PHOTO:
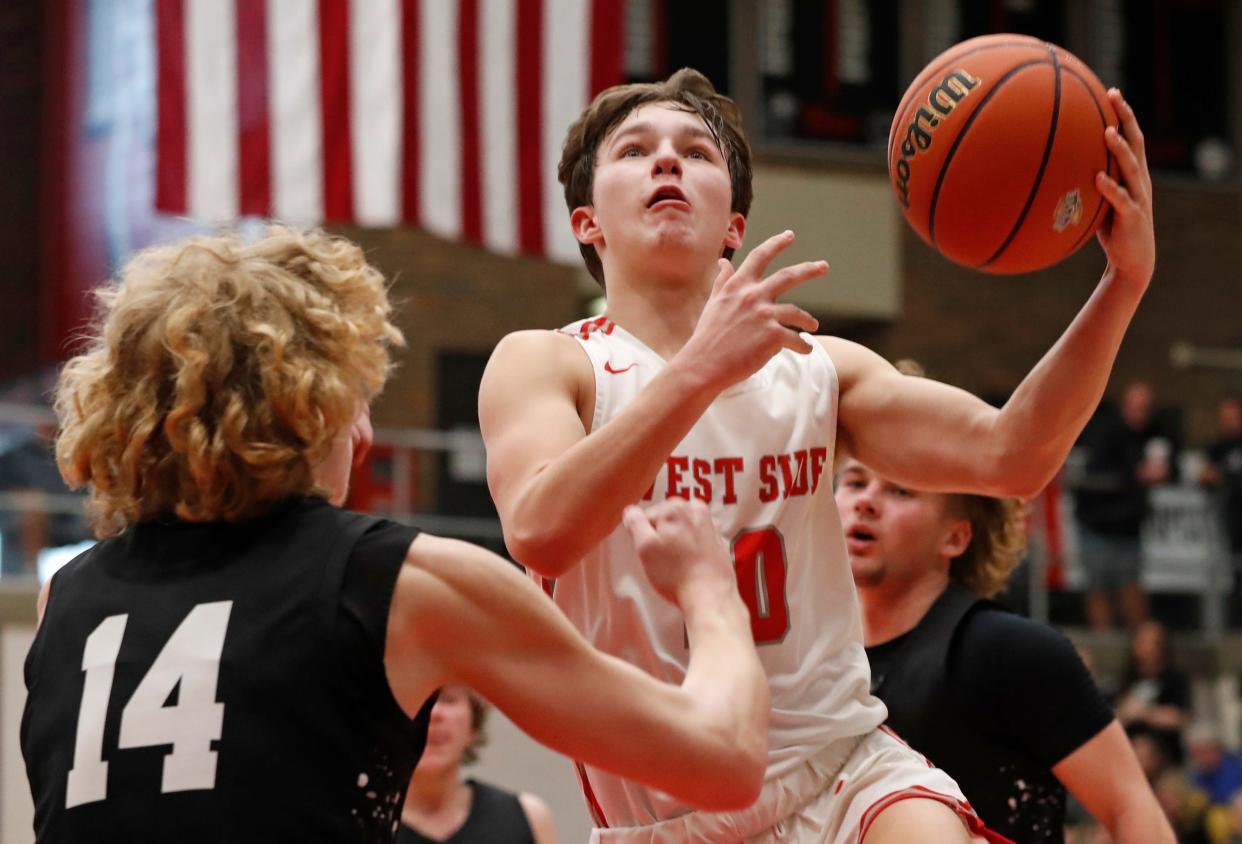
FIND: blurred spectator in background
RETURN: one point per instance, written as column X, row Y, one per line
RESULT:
column 1151, row 757
column 1155, row 696
column 1224, row 470
column 442, row 807
column 1184, row 806
column 1126, row 454
column 1214, row 770
column 27, row 525
column 1235, row 819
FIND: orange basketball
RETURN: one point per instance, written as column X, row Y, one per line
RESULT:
column 994, row 150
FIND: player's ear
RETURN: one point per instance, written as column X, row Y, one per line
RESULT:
column 956, row 539
column 585, row 226
column 736, row 231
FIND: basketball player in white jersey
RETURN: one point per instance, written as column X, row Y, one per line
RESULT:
column 697, row 384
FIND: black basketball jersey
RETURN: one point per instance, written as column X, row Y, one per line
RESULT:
column 222, row 683
column 496, row 817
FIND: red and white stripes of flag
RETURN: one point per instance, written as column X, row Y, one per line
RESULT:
column 443, row 114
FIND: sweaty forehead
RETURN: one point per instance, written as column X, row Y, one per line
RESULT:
column 661, row 117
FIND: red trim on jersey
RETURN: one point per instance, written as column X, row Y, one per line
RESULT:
column 887, row 730
column 837, row 790
column 967, row 814
column 597, row 811
column 548, row 585
column 601, row 324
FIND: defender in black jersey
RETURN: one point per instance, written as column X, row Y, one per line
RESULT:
column 1003, row 704
column 239, row 660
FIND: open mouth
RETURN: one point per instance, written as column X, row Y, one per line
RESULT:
column 860, row 533
column 667, row 195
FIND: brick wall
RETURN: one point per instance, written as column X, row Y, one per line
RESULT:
column 456, row 298
column 983, row 332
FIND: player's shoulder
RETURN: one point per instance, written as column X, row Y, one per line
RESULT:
column 533, row 360
column 537, row 344
column 999, row 637
column 851, row 360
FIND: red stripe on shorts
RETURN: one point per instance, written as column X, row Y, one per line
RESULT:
column 973, row 822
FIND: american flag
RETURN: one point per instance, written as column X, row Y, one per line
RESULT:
column 448, row 115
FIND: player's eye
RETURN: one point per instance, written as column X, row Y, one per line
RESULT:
column 699, row 154
column 632, row 151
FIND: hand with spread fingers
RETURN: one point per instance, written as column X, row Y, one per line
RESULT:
column 743, row 325
column 1128, row 233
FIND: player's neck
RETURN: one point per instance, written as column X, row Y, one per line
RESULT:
column 660, row 311
column 893, row 608
column 433, row 793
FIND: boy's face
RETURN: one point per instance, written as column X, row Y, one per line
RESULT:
column 661, row 191
column 894, row 534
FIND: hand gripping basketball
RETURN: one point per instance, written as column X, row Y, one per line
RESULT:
column 1128, row 233
column 742, row 325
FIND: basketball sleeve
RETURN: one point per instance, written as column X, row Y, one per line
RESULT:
column 1028, row 682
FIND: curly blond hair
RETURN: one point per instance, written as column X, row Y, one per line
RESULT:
column 997, row 542
column 998, row 530
column 218, row 374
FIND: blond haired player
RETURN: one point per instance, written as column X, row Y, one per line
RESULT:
column 239, row 659
column 1003, row 704
column 697, row 383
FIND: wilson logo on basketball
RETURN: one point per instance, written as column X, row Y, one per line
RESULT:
column 1068, row 211
column 940, row 104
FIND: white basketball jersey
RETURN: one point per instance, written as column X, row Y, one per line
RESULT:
column 761, row 457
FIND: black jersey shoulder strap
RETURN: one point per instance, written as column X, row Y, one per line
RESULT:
column 353, row 526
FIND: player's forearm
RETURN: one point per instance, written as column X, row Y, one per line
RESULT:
column 724, row 701
column 575, row 501
column 725, row 678
column 1040, row 423
column 1141, row 821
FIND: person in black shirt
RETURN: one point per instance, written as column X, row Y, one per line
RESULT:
column 1224, row 471
column 240, row 660
column 1003, row 704
column 442, row 807
column 1155, row 695
column 1128, row 452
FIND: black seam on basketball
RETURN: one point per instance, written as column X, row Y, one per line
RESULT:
column 903, row 106
column 1108, row 163
column 948, row 159
column 1043, row 164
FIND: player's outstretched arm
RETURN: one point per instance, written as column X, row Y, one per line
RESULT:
column 461, row 614
column 936, row 437
column 560, row 492
column 1122, row 801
